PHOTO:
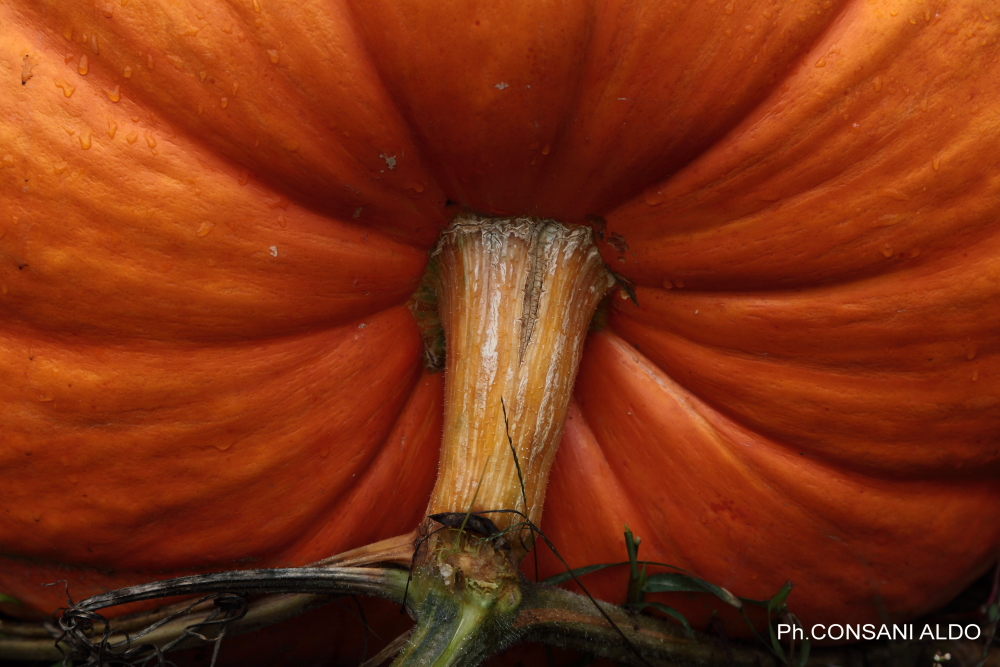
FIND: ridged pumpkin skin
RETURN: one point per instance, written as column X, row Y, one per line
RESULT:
column 212, row 215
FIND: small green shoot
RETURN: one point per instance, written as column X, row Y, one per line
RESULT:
column 777, row 606
column 673, row 582
column 10, row 599
column 637, row 576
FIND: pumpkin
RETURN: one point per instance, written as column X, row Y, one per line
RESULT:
column 213, row 215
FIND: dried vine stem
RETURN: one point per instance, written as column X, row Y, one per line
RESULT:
column 286, row 593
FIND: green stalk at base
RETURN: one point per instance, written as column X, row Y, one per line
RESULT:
column 467, row 593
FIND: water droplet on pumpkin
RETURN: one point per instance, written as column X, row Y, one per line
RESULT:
column 202, row 75
column 244, row 176
column 667, row 284
column 112, row 128
column 149, row 61
column 108, row 10
column 128, row 71
column 936, row 164
column 177, row 62
column 85, row 140
column 68, row 32
column 236, row 86
column 66, row 88
column 878, row 84
column 730, row 8
column 274, row 251
column 972, row 354
column 84, row 66
column 273, row 55
column 68, row 57
column 131, row 137
column 201, row 109
column 93, row 45
column 204, row 228
column 228, row 28
column 975, row 374
column 652, row 196
column 60, row 167
column 150, row 140
column 533, row 161
column 886, row 250
column 281, row 220
column 225, row 102
column 545, row 151
column 115, row 94
column 679, row 284
column 256, row 6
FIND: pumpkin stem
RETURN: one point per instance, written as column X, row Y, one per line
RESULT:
column 515, row 298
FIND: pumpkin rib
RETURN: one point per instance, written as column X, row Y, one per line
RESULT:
column 801, row 136
column 78, row 272
column 858, row 505
column 171, row 71
column 372, row 512
column 762, row 94
column 212, row 418
column 828, row 413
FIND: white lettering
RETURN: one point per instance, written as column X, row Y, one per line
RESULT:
column 840, row 631
column 869, row 632
column 815, row 633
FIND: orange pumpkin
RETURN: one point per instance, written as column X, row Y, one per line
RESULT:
column 213, row 214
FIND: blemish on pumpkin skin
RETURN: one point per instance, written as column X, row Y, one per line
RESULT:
column 28, row 64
